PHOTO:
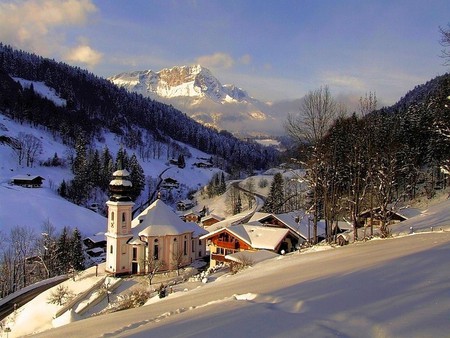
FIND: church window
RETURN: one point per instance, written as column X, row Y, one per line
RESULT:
column 123, row 219
column 156, row 250
column 124, row 249
column 112, row 216
column 111, row 249
column 185, row 247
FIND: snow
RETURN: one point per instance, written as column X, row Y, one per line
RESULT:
column 43, row 90
column 32, row 207
column 396, row 287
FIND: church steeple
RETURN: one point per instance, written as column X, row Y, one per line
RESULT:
column 120, row 186
column 120, row 205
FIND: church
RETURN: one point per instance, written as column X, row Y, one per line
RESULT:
column 157, row 234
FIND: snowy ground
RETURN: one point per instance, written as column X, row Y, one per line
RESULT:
column 397, row 287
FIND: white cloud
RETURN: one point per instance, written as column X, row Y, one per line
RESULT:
column 245, row 59
column 84, row 54
column 343, row 81
column 40, row 25
column 216, row 60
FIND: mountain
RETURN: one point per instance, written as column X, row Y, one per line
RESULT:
column 195, row 91
column 91, row 106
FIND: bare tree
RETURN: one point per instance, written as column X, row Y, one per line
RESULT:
column 445, row 42
column 152, row 265
column 368, row 103
column 27, row 147
column 317, row 113
column 177, row 258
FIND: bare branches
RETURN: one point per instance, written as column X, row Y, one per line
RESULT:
column 445, row 42
column 317, row 113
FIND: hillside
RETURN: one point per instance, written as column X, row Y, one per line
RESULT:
column 94, row 106
column 394, row 288
column 44, row 204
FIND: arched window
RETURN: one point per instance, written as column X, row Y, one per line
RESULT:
column 111, row 249
column 112, row 216
column 155, row 250
column 124, row 217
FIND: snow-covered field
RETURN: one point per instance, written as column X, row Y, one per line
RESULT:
column 31, row 208
column 397, row 287
column 392, row 288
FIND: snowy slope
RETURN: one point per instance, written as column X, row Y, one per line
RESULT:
column 381, row 288
column 32, row 207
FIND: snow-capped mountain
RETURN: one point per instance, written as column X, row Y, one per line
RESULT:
column 195, row 91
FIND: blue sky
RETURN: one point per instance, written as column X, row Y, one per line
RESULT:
column 274, row 49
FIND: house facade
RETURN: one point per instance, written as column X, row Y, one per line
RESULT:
column 156, row 236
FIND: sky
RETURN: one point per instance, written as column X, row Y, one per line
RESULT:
column 274, row 50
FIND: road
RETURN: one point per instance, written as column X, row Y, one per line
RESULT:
column 27, row 294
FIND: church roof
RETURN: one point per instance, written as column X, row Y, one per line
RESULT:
column 160, row 220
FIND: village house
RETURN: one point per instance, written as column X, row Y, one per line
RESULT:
column 157, row 234
column 185, row 205
column 170, row 183
column 192, row 216
column 28, row 181
column 246, row 237
column 297, row 222
column 210, row 219
column 374, row 217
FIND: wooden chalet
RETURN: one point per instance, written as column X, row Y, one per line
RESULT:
column 246, row 237
column 169, row 183
column 374, row 217
column 192, row 216
column 28, row 181
column 297, row 222
column 211, row 219
column 185, row 205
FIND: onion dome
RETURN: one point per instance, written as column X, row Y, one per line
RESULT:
column 120, row 186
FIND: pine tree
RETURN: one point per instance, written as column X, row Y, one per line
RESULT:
column 106, row 169
column 122, row 160
column 76, row 251
column 137, row 177
column 275, row 201
column 63, row 252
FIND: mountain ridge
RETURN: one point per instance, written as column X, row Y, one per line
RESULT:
column 197, row 92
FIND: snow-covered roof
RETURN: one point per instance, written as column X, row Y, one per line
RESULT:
column 304, row 227
column 98, row 237
column 121, row 173
column 212, row 216
column 26, row 177
column 259, row 237
column 160, row 220
column 122, row 182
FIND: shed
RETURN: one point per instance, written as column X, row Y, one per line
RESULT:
column 28, row 181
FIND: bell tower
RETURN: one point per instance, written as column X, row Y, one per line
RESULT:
column 120, row 205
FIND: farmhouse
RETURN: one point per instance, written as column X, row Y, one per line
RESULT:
column 297, row 222
column 246, row 237
column 211, row 219
column 157, row 235
column 374, row 217
column 28, row 181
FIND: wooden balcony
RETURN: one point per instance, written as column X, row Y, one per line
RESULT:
column 227, row 245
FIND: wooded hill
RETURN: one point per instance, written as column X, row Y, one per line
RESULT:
column 94, row 104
